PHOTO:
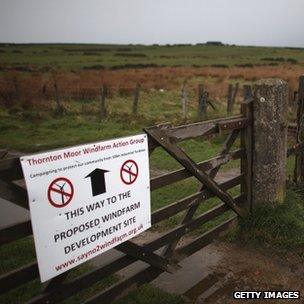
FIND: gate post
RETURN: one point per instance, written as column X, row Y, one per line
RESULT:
column 269, row 141
column 299, row 159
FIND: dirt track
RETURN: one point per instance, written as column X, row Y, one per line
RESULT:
column 213, row 273
column 252, row 269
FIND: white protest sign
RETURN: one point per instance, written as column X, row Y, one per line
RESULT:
column 87, row 199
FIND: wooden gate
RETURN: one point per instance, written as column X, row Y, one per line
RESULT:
column 238, row 128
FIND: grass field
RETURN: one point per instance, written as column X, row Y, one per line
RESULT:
column 279, row 227
column 28, row 74
column 79, row 56
column 29, row 121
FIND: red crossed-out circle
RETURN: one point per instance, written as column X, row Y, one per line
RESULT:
column 129, row 172
column 64, row 188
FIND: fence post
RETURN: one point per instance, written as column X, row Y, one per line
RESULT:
column 292, row 99
column 295, row 98
column 202, row 102
column 60, row 108
column 270, row 141
column 299, row 159
column 103, row 105
column 236, row 89
column 247, row 92
column 17, row 89
column 44, row 90
column 136, row 98
column 232, row 91
column 184, row 98
column 229, row 98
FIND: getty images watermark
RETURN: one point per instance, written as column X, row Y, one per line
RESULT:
column 266, row 295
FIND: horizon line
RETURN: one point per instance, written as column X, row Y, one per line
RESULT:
column 153, row 44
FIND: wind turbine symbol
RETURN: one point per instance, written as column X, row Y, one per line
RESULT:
column 61, row 189
column 130, row 177
column 129, row 172
column 64, row 190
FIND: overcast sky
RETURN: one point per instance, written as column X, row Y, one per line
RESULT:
column 246, row 22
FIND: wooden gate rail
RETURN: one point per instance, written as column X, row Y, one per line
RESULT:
column 150, row 273
column 212, row 173
column 20, row 197
column 58, row 289
column 17, row 231
column 30, row 271
column 162, row 138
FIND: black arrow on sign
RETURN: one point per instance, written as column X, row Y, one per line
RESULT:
column 98, row 181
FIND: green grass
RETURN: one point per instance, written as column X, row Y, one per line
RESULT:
column 28, row 136
column 78, row 56
column 31, row 130
column 36, row 129
column 279, row 227
column 11, row 259
column 25, row 292
column 17, row 132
